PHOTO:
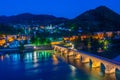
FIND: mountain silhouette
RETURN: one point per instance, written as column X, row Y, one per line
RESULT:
column 99, row 19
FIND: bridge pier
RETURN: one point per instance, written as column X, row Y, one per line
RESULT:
column 85, row 59
column 95, row 64
column 66, row 51
column 61, row 52
column 109, row 69
column 71, row 53
column 77, row 57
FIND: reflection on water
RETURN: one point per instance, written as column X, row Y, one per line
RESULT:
column 94, row 73
column 45, row 65
column 55, row 60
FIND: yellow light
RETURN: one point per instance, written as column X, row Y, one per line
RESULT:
column 54, row 43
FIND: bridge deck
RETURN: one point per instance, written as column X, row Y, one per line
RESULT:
column 99, row 57
column 96, row 56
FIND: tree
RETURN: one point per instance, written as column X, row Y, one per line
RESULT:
column 77, row 42
column 21, row 46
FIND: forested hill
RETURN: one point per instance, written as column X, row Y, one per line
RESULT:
column 99, row 19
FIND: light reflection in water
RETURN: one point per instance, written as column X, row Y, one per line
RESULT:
column 55, row 60
column 95, row 73
column 12, row 57
column 2, row 57
column 15, row 57
column 73, row 70
column 7, row 56
column 34, row 64
column 35, row 57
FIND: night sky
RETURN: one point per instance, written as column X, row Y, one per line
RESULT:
column 59, row 8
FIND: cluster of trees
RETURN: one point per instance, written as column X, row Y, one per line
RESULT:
column 107, row 46
column 40, row 39
column 88, row 43
column 5, row 29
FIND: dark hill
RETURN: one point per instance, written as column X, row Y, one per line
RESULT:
column 99, row 19
column 27, row 18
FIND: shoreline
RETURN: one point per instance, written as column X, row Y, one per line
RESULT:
column 40, row 48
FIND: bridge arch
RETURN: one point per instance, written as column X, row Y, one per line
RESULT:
column 117, row 73
column 71, row 53
column 102, row 68
column 117, row 70
column 95, row 63
column 85, row 59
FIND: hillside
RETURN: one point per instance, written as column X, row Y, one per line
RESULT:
column 5, row 29
column 28, row 18
column 99, row 19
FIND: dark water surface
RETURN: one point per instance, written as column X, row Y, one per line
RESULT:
column 44, row 65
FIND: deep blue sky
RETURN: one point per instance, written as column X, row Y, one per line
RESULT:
column 59, row 8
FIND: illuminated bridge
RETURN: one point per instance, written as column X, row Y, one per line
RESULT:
column 96, row 61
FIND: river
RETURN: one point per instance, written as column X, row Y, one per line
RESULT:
column 45, row 65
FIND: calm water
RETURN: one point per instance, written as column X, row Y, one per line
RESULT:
column 44, row 65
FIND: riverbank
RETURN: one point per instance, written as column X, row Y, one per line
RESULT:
column 27, row 49
column 42, row 47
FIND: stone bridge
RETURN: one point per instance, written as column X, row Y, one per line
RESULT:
column 95, row 61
